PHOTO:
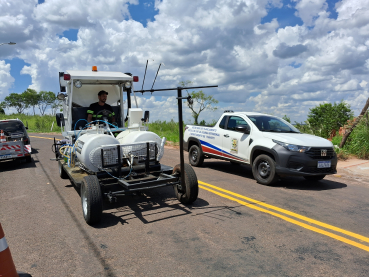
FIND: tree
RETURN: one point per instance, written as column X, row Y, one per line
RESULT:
column 326, row 117
column 57, row 104
column 17, row 101
column 347, row 134
column 46, row 98
column 200, row 103
column 32, row 98
column 285, row 117
column 2, row 107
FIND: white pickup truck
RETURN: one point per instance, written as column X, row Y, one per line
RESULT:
column 273, row 147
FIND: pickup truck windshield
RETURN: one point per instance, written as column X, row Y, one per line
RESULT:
column 11, row 126
column 272, row 124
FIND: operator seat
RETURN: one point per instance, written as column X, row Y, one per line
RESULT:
column 81, row 113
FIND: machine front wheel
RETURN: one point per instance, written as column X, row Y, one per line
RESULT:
column 91, row 198
column 188, row 192
column 62, row 172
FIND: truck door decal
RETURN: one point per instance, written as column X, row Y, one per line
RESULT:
column 234, row 146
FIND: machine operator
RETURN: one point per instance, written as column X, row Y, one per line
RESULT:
column 94, row 112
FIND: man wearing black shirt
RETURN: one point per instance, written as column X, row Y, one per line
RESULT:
column 95, row 108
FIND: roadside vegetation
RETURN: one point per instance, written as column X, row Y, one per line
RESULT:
column 320, row 122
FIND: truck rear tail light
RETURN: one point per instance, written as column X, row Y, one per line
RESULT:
column 135, row 78
column 186, row 128
column 66, row 77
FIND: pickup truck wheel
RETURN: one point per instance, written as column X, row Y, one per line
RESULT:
column 195, row 156
column 91, row 199
column 62, row 172
column 263, row 169
column 314, row 178
column 188, row 192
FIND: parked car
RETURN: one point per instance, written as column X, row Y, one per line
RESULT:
column 14, row 140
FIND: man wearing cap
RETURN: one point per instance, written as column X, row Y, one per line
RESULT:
column 95, row 108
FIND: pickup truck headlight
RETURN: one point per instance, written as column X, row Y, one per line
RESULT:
column 293, row 147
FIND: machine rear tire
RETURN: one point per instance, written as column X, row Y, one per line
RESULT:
column 190, row 190
column 195, row 156
column 91, row 199
column 62, row 172
column 28, row 159
column 314, row 178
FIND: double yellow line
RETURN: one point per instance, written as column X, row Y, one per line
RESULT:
column 255, row 204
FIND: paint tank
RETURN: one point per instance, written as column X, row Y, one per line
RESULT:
column 128, row 137
column 87, row 143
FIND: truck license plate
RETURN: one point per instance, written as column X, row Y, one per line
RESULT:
column 324, row 164
column 5, row 156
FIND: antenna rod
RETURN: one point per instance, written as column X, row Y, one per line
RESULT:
column 144, row 75
column 156, row 76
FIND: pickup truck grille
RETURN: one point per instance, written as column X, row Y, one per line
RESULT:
column 316, row 153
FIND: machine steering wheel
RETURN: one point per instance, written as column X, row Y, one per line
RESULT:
column 105, row 113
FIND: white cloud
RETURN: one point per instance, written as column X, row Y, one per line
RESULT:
column 6, row 80
column 309, row 10
column 259, row 67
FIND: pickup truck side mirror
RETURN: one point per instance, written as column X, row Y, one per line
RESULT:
column 60, row 119
column 243, row 129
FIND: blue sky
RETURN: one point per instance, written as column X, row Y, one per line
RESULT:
column 275, row 56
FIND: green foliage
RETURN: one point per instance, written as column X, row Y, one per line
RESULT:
column 303, row 127
column 46, row 98
column 169, row 129
column 17, row 101
column 285, row 117
column 326, row 117
column 2, row 107
column 201, row 101
column 31, row 98
column 36, row 123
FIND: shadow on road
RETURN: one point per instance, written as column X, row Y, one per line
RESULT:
column 293, row 183
column 149, row 207
column 18, row 164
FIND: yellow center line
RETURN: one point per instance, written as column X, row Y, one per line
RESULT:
column 304, row 225
column 316, row 222
column 41, row 137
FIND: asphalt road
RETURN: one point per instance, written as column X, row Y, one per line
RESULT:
column 236, row 227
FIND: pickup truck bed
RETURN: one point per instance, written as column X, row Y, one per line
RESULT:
column 15, row 150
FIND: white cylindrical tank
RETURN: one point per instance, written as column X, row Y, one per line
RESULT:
column 87, row 143
column 127, row 137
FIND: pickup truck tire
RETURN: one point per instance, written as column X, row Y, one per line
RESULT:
column 189, row 191
column 91, row 199
column 195, row 156
column 314, row 178
column 62, row 172
column 263, row 169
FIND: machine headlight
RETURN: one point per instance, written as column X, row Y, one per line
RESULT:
column 293, row 147
column 78, row 84
column 127, row 84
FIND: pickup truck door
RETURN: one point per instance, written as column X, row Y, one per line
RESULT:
column 235, row 144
